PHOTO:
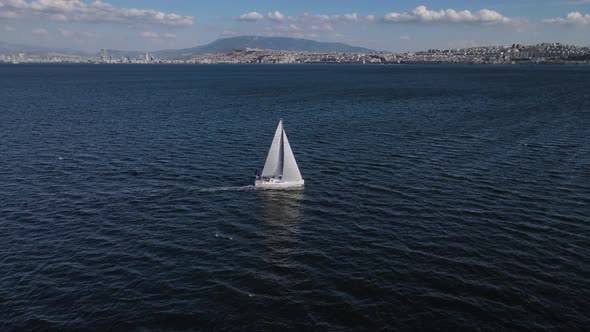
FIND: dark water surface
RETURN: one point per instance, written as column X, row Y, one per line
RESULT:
column 441, row 197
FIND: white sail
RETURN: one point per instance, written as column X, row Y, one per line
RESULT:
column 280, row 169
column 274, row 161
column 290, row 169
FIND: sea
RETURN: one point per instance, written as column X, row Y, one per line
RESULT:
column 437, row 197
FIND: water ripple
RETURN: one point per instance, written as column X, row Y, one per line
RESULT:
column 127, row 200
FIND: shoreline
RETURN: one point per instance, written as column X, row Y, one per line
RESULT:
column 407, row 63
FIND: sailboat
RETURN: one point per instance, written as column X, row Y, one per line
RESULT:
column 280, row 170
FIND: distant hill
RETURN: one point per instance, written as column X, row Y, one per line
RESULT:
column 218, row 46
column 270, row 43
column 40, row 50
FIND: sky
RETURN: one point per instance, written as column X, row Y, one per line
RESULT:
column 387, row 25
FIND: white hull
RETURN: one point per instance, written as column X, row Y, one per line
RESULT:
column 277, row 184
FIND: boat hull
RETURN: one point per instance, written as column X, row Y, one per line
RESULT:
column 263, row 184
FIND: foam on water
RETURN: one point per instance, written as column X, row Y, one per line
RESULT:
column 229, row 188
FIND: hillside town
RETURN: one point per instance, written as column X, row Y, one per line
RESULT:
column 511, row 54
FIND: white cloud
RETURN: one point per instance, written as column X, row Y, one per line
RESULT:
column 405, row 38
column 308, row 25
column 95, row 12
column 17, row 4
column 8, row 28
column 421, row 14
column 275, row 16
column 156, row 36
column 315, row 18
column 322, row 27
column 288, row 28
column 149, row 35
column 354, row 17
column 39, row 32
column 306, row 17
column 251, row 16
column 573, row 18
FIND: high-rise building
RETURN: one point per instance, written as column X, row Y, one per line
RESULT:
column 147, row 57
column 103, row 54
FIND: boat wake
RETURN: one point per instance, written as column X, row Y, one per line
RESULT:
column 230, row 188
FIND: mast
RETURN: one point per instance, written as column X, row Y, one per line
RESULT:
column 281, row 159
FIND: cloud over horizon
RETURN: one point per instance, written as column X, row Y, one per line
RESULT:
column 156, row 36
column 277, row 16
column 421, row 14
column 251, row 16
column 95, row 12
column 573, row 18
column 376, row 24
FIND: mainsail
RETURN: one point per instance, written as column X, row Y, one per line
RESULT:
column 280, row 160
column 272, row 167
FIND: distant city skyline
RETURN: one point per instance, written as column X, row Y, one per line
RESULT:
column 376, row 24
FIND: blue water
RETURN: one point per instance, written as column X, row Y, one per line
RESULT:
column 436, row 197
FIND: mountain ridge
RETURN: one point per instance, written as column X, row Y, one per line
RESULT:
column 221, row 45
column 40, row 50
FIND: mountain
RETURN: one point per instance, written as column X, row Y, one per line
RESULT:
column 218, row 46
column 41, row 50
column 270, row 43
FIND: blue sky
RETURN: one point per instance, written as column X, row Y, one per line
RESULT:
column 379, row 24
